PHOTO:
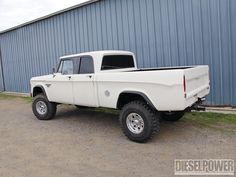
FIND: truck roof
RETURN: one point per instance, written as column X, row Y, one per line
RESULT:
column 98, row 56
column 101, row 52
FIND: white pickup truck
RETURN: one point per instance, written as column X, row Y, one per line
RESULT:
column 111, row 79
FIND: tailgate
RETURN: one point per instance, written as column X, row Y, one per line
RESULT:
column 197, row 81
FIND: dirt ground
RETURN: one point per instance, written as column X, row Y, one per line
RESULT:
column 89, row 143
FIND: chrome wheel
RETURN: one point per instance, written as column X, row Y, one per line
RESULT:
column 41, row 107
column 135, row 123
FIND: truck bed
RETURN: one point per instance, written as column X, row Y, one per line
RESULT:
column 172, row 89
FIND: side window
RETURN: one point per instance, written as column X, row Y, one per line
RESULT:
column 66, row 67
column 86, row 65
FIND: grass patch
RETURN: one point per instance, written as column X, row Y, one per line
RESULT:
column 4, row 96
column 213, row 120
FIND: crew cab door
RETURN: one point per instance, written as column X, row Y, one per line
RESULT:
column 84, row 89
column 60, row 87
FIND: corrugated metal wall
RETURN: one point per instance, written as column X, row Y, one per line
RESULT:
column 1, row 78
column 160, row 32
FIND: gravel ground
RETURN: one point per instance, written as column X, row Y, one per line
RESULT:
column 90, row 143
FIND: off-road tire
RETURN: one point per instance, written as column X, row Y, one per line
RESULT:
column 172, row 116
column 150, row 118
column 51, row 108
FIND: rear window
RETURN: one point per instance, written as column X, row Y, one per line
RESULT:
column 117, row 62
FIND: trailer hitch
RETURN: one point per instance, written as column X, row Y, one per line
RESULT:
column 197, row 106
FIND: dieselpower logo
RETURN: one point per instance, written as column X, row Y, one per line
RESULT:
column 204, row 167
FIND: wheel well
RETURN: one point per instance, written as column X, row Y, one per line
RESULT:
column 127, row 97
column 38, row 90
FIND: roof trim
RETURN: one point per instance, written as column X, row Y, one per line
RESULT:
column 101, row 52
column 50, row 15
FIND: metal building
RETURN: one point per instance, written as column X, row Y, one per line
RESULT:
column 159, row 32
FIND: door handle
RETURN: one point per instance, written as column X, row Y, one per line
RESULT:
column 69, row 77
column 89, row 76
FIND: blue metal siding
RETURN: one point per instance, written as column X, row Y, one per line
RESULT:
column 1, row 78
column 159, row 32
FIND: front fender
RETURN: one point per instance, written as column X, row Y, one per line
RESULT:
column 38, row 86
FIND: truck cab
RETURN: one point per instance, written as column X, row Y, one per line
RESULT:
column 73, row 81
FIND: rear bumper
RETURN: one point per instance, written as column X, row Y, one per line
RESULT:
column 197, row 105
column 197, row 98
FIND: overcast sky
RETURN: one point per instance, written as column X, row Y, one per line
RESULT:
column 15, row 12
